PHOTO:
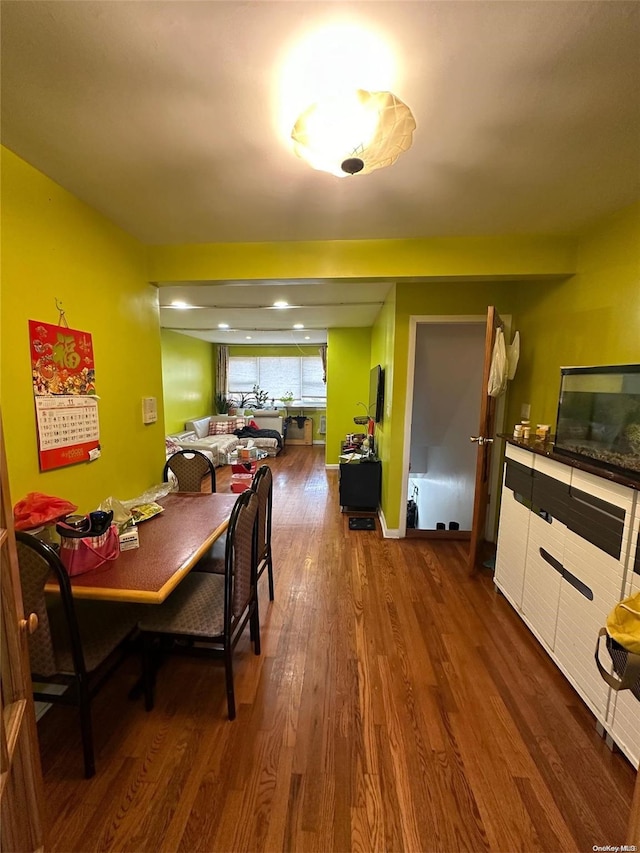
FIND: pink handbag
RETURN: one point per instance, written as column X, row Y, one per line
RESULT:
column 88, row 553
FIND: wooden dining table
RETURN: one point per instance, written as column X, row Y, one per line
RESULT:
column 171, row 543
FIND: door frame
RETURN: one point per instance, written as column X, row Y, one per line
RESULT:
column 416, row 320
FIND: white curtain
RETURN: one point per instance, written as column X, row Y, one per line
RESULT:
column 222, row 369
column 323, row 355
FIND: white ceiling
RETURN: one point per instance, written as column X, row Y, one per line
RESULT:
column 165, row 117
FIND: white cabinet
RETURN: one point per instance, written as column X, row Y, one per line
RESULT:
column 594, row 570
column 545, row 549
column 515, row 511
column 567, row 549
column 623, row 721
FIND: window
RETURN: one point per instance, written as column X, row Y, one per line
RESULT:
column 302, row 375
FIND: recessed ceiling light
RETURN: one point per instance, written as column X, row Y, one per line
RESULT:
column 307, row 338
column 178, row 303
column 298, row 326
column 248, row 337
column 280, row 304
column 223, row 325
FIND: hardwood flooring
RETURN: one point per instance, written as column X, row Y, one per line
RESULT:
column 398, row 705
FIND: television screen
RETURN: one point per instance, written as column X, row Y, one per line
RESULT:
column 376, row 393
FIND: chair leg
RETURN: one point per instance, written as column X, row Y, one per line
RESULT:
column 228, row 671
column 270, row 572
column 86, row 731
column 254, row 622
column 148, row 672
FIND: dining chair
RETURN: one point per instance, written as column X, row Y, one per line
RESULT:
column 77, row 644
column 263, row 487
column 214, row 560
column 189, row 467
column 208, row 608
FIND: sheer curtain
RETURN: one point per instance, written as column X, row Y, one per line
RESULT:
column 323, row 355
column 222, row 369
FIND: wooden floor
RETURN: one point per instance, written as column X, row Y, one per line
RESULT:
column 397, row 705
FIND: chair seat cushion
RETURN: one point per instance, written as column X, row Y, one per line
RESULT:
column 103, row 626
column 213, row 561
column 195, row 608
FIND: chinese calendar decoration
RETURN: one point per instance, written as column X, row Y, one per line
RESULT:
column 63, row 375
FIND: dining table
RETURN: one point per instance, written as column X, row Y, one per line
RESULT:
column 171, row 543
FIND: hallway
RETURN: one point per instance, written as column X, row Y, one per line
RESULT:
column 397, row 705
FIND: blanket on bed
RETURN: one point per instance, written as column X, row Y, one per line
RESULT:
column 251, row 432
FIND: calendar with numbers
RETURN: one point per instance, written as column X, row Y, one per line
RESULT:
column 63, row 377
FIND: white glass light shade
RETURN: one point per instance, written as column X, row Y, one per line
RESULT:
column 374, row 127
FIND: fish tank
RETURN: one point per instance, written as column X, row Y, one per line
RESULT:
column 599, row 416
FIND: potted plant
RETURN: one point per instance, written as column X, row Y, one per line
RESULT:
column 260, row 397
column 223, row 404
column 287, row 398
column 242, row 402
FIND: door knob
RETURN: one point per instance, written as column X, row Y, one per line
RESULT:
column 29, row 624
column 480, row 439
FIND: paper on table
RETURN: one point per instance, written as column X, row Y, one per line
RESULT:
column 142, row 512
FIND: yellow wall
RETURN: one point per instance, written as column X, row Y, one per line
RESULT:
column 469, row 257
column 188, row 379
column 592, row 318
column 383, row 353
column 266, row 350
column 55, row 246
column 348, row 364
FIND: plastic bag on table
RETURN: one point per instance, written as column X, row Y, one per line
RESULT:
column 160, row 490
column 37, row 509
column 122, row 518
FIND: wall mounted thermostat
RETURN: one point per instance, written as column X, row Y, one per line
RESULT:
column 149, row 410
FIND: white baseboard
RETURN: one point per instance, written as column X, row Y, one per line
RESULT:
column 331, row 466
column 387, row 532
column 317, row 441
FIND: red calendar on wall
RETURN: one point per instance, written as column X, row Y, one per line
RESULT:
column 63, row 376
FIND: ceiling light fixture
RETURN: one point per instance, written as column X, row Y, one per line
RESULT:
column 179, row 304
column 280, row 304
column 356, row 133
column 248, row 337
column 298, row 326
column 223, row 325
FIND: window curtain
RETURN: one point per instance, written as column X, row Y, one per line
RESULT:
column 323, row 355
column 222, row 370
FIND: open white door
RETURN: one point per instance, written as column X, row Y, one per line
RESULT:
column 20, row 775
column 484, row 441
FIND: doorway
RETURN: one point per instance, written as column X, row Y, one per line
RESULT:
column 445, row 380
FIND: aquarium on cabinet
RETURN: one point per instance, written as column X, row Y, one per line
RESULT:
column 599, row 416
